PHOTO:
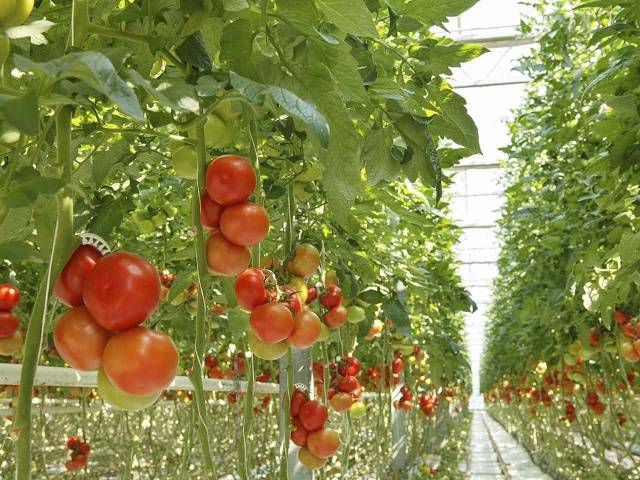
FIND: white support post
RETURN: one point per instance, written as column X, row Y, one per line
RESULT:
column 303, row 374
column 398, row 433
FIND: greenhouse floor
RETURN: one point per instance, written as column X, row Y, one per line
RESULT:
column 496, row 455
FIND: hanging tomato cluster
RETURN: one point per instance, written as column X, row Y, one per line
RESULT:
column 429, row 404
column 345, row 389
column 317, row 443
column 79, row 454
column 234, row 224
column 336, row 315
column 110, row 297
column 405, row 401
column 278, row 319
column 10, row 336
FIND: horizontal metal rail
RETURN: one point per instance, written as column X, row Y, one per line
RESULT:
column 68, row 377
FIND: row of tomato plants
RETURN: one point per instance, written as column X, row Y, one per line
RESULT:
column 566, row 292
column 128, row 160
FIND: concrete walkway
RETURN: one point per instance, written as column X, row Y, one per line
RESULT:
column 494, row 454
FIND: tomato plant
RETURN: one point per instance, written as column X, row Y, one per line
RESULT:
column 310, row 133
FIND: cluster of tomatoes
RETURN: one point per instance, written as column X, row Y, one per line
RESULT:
column 336, row 315
column 79, row 454
column 234, row 223
column 109, row 297
column 405, row 401
column 429, row 404
column 10, row 336
column 317, row 443
column 629, row 346
column 279, row 319
column 345, row 390
column 594, row 403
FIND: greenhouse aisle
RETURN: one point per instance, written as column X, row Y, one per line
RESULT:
column 494, row 454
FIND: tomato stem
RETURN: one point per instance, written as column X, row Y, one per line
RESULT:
column 201, row 321
column 61, row 247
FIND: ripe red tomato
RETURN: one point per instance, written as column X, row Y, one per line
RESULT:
column 298, row 398
column 9, row 297
column 349, row 365
column 230, row 180
column 348, row 384
column 211, row 361
column 271, row 322
column 336, row 317
column 309, row 460
column 80, row 340
column 140, row 361
column 69, row 285
column 9, row 323
column 306, row 260
column 121, row 291
column 313, row 415
column 245, row 224
column 312, row 293
column 332, row 298
column 210, row 213
column 299, row 437
column 323, row 443
column 225, row 258
column 250, row 289
column 629, row 330
column 341, row 402
column 306, row 330
column 396, row 365
column 621, row 317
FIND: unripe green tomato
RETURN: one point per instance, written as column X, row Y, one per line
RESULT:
column 5, row 49
column 146, row 227
column 159, row 219
column 217, row 134
column 356, row 314
column 228, row 110
column 185, row 162
column 22, row 12
column 358, row 409
column 138, row 217
column 121, row 400
column 324, row 332
column 192, row 307
column 170, row 210
column 7, row 11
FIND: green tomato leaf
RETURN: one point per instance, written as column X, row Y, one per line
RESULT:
column 296, row 106
column 398, row 314
column 23, row 113
column 194, row 52
column 350, row 16
column 15, row 224
column 431, row 12
column 26, row 185
column 93, row 68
